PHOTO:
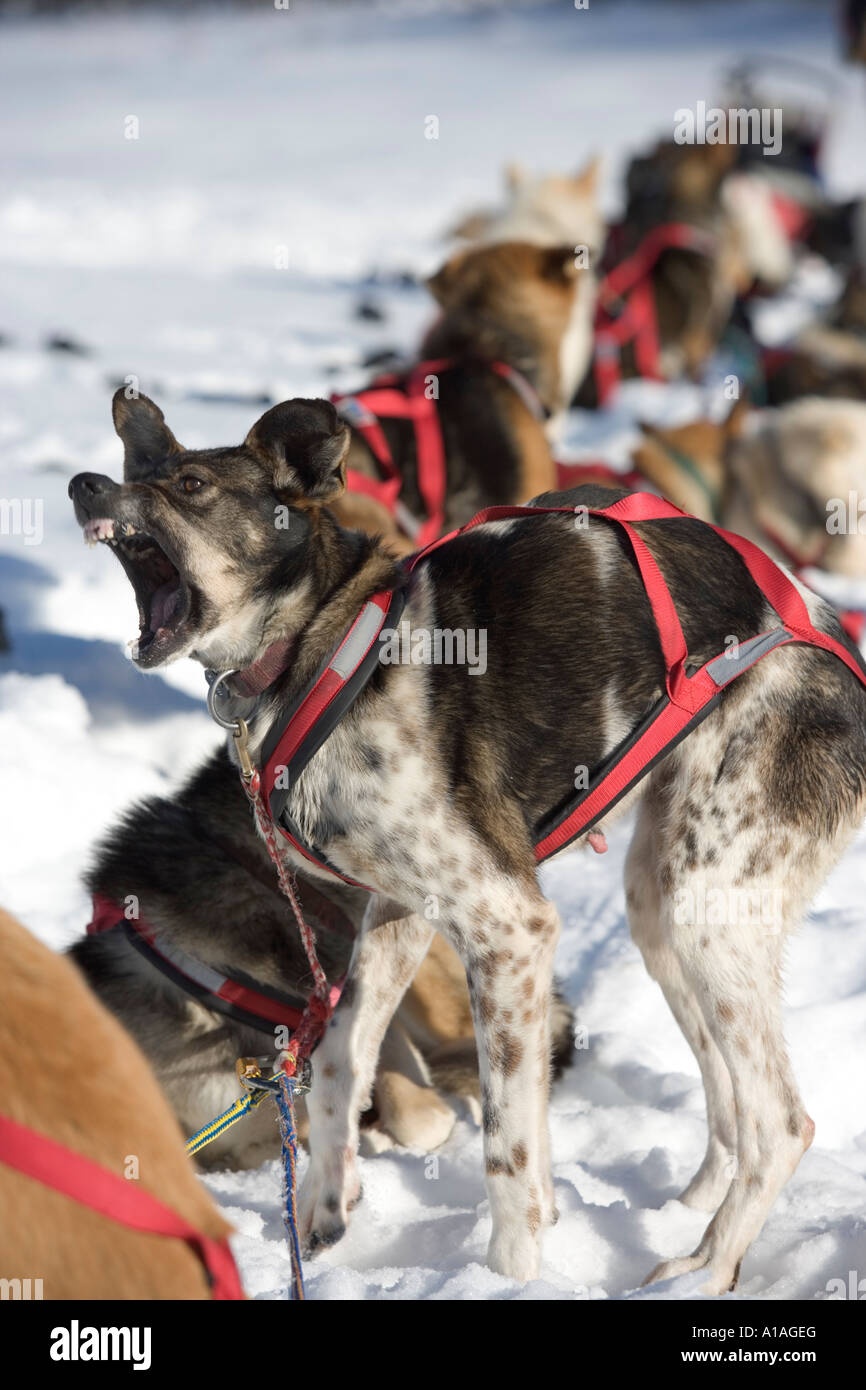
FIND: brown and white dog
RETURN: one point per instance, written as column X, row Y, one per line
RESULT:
column 544, row 209
column 792, row 479
column 526, row 307
column 430, row 787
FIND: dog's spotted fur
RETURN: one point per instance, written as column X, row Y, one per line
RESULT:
column 432, row 784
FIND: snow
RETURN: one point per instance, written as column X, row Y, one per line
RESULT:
column 304, row 130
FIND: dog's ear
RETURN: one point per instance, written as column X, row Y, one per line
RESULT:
column 147, row 439
column 586, row 179
column 515, row 177
column 306, row 444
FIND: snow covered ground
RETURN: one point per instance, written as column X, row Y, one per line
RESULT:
column 299, row 136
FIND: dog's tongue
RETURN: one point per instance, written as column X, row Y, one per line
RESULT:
column 597, row 841
column 163, row 604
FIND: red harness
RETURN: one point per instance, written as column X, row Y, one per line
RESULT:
column 237, row 999
column 686, row 701
column 87, row 1182
column 571, row 475
column 410, row 397
column 793, row 217
column 626, row 310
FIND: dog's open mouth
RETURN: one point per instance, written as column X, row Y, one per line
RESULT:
column 162, row 596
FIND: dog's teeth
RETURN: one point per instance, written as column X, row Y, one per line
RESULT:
column 98, row 529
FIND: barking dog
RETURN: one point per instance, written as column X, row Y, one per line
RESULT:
column 431, row 787
column 203, row 882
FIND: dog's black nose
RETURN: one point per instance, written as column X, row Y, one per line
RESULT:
column 86, row 486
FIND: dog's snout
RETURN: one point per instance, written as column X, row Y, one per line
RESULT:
column 87, row 486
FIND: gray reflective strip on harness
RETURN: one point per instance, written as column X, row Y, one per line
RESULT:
column 195, row 969
column 724, row 668
column 358, row 641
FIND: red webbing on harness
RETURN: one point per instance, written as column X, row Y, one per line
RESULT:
column 329, row 684
column 122, row 1200
column 793, row 217
column 635, row 321
column 108, row 914
column 687, row 694
column 385, row 401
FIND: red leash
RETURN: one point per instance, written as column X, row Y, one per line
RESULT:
column 121, row 1199
column 323, row 999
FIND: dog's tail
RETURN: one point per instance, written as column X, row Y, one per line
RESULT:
column 454, row 1065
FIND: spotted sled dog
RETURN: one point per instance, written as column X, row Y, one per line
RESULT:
column 429, row 788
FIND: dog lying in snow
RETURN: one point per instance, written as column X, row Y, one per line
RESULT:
column 432, row 784
column 97, row 1097
column 202, row 880
column 782, row 477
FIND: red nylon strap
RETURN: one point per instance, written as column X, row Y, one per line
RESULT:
column 430, row 450
column 646, row 337
column 118, row 1198
column 793, row 217
column 313, row 859
column 385, row 401
column 637, row 321
column 329, row 685
column 670, row 722
column 637, row 266
column 107, row 915
column 270, row 1010
column 636, row 324
column 783, row 595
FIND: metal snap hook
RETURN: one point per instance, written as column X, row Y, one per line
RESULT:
column 214, row 683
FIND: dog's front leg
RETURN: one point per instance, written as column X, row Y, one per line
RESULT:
column 509, row 962
column 392, row 947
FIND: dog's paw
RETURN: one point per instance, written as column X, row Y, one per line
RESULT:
column 671, row 1269
column 323, row 1208
column 515, row 1256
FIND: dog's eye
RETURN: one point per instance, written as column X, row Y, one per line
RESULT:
column 191, row 484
